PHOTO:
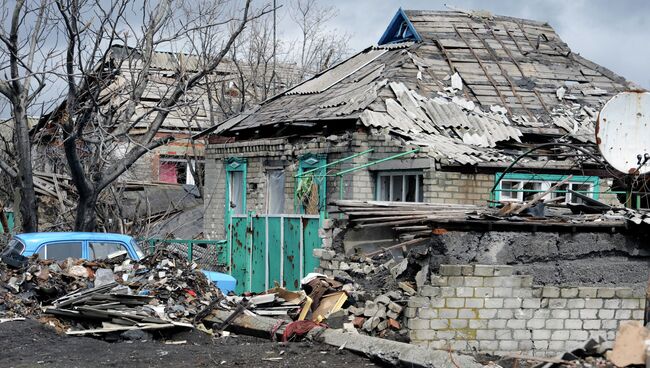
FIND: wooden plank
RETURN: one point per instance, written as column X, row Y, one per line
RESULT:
column 311, row 241
column 240, row 264
column 258, row 261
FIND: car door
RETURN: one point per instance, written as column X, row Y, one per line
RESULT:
column 62, row 250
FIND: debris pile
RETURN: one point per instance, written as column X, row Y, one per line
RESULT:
column 92, row 297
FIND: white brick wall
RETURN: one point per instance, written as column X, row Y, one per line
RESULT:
column 489, row 308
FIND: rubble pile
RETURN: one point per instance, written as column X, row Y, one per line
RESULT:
column 161, row 291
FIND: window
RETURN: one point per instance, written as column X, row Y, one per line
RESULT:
column 101, row 250
column 275, row 195
column 524, row 187
column 400, row 186
column 237, row 192
column 176, row 170
column 60, row 251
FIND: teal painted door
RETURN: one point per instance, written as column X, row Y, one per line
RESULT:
column 277, row 248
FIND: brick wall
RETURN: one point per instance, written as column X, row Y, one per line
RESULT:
column 487, row 308
column 457, row 188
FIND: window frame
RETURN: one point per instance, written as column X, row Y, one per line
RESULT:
column 403, row 174
column 45, row 245
column 547, row 181
column 121, row 244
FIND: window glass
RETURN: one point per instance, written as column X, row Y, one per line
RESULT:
column 101, row 250
column 396, row 190
column 237, row 192
column 508, row 190
column 275, row 179
column 384, row 188
column 407, row 187
column 409, row 192
column 63, row 250
column 534, row 186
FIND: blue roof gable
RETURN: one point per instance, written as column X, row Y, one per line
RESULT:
column 399, row 29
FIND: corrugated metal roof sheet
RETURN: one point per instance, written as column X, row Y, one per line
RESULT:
column 334, row 75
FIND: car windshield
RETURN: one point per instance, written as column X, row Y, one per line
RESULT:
column 14, row 246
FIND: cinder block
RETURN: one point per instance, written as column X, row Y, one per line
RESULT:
column 573, row 324
column 624, row 292
column 419, row 302
column 489, row 345
column 589, row 313
column 516, row 324
column 422, row 335
column 494, row 303
column 466, row 292
column 609, row 324
column 496, row 323
column 554, row 324
column 467, row 313
column 531, row 303
column 560, row 335
column 512, row 303
column 410, row 312
column 439, row 324
column 522, row 335
column 536, row 323
column 450, row 270
column 487, row 313
column 569, row 292
column 575, row 303
column 502, row 270
column 478, row 324
column 473, row 281
column 503, row 292
column 484, row 292
column 541, row 335
column 505, row 314
column 455, row 280
column 550, row 292
column 637, row 314
column 606, row 292
column 483, row 270
column 606, row 313
column 455, row 302
column 485, row 334
column 458, row 323
column 578, row 335
column 427, row 290
column 632, row 303
column 474, row 303
column 587, row 292
column 503, row 334
column 612, row 303
column 560, row 313
column 448, row 313
column 556, row 345
column 466, row 270
column 427, row 313
column 508, row 345
column 593, row 303
column 418, row 324
column 623, row 314
column 522, row 292
column 437, row 280
column 591, row 324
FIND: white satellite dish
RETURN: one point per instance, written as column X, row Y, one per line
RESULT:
column 623, row 132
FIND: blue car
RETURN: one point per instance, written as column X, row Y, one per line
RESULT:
column 59, row 246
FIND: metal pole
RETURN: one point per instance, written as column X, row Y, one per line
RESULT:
column 335, row 162
column 377, row 162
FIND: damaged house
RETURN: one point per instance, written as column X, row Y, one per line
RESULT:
column 431, row 119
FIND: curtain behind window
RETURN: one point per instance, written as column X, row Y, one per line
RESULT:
column 275, row 196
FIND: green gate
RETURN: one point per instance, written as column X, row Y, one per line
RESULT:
column 268, row 248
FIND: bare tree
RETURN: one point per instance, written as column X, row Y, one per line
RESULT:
column 108, row 93
column 24, row 56
column 319, row 48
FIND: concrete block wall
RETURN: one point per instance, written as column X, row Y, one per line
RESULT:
column 457, row 188
column 487, row 308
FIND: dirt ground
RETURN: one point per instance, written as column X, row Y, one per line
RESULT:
column 30, row 344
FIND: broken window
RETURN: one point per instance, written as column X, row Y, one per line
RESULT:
column 101, row 250
column 524, row 187
column 398, row 186
column 176, row 170
column 275, row 195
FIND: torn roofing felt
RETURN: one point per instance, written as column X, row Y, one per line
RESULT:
column 467, row 86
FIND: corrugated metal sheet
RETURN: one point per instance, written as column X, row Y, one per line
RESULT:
column 334, row 75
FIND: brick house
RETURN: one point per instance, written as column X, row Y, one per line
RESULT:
column 458, row 95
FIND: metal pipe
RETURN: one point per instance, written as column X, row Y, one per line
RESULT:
column 376, row 162
column 335, row 162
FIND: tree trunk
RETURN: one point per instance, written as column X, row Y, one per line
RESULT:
column 28, row 205
column 85, row 220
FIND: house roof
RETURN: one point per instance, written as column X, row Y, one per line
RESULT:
column 463, row 85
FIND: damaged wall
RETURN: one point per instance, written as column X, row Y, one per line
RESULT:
column 487, row 308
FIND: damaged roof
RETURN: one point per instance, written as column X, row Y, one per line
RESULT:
column 462, row 84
